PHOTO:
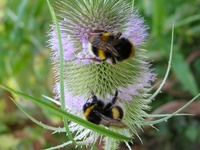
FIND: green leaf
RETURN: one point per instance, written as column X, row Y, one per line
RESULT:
column 158, row 17
column 187, row 20
column 65, row 121
column 183, row 73
column 71, row 117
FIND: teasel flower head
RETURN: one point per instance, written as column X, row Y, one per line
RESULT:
column 132, row 78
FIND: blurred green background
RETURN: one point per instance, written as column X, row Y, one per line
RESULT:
column 25, row 65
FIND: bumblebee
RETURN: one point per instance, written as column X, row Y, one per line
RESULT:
column 110, row 46
column 99, row 113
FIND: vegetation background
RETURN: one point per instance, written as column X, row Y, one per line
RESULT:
column 25, row 65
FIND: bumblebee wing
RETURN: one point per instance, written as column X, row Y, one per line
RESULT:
column 95, row 40
column 109, row 48
column 109, row 122
column 105, row 47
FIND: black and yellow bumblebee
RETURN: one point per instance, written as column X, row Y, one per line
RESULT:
column 109, row 115
column 110, row 46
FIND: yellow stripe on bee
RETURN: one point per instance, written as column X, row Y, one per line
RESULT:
column 101, row 54
column 115, row 113
column 87, row 111
column 106, row 34
column 132, row 51
column 105, row 37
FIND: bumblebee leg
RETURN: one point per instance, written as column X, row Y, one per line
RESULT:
column 93, row 59
column 113, row 61
column 109, row 105
column 115, row 97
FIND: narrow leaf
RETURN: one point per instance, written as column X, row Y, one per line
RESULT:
column 183, row 73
